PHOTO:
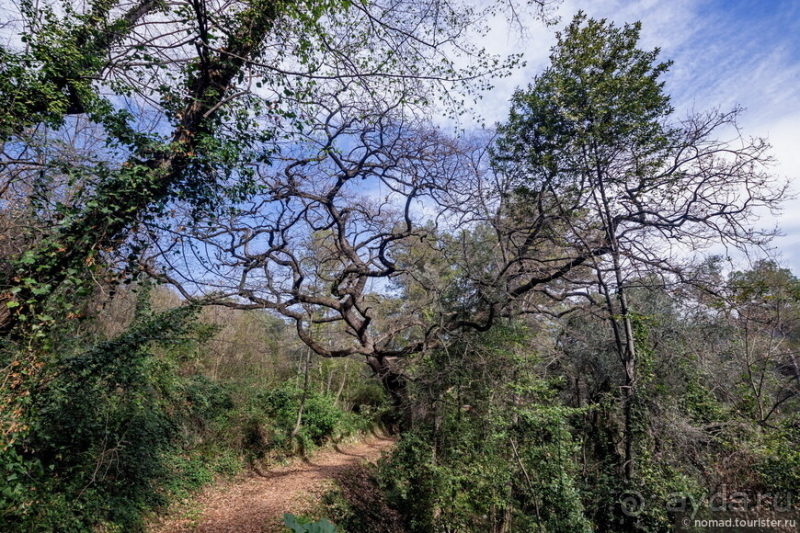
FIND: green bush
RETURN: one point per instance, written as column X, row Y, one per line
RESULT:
column 779, row 465
column 482, row 472
column 490, row 448
column 321, row 417
column 207, row 399
column 366, row 396
column 358, row 505
column 102, row 441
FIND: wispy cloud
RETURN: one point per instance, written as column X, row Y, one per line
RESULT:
column 725, row 53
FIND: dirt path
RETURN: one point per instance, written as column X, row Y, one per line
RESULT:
column 256, row 503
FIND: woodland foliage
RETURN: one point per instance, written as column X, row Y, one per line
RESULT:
column 535, row 307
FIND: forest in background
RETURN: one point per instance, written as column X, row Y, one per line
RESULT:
column 233, row 231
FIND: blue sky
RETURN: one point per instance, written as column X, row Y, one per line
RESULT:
column 725, row 52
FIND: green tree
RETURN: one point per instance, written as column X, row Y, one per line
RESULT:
column 763, row 306
column 594, row 149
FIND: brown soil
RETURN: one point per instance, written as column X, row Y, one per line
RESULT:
column 256, row 502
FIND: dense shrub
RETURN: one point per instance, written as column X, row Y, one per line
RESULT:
column 779, row 464
column 488, row 472
column 102, row 427
column 320, row 419
column 490, row 448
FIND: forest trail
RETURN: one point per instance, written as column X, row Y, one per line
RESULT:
column 256, row 503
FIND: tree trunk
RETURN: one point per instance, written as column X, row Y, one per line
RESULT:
column 395, row 384
column 624, row 340
column 303, row 398
column 149, row 177
column 344, row 380
column 629, row 360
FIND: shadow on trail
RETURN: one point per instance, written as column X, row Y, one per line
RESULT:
column 326, row 470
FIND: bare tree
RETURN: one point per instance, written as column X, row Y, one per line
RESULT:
column 188, row 96
column 377, row 225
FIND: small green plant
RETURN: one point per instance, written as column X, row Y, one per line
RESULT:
column 321, row 526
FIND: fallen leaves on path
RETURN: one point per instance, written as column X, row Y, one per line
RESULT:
column 256, row 503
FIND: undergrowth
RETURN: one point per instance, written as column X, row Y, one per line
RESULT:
column 103, row 433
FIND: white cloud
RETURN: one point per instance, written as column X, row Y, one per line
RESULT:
column 725, row 54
